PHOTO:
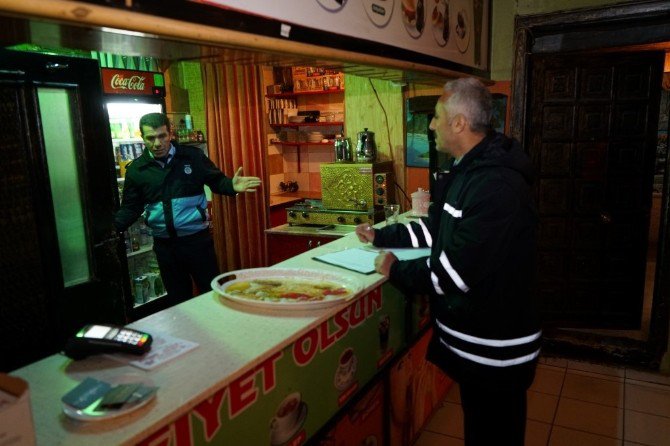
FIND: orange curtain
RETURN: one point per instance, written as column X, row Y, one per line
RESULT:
column 234, row 106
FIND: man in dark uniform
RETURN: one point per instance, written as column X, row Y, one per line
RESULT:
column 481, row 231
column 166, row 185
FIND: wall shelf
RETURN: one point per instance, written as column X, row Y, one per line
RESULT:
column 303, row 93
column 298, row 144
column 309, row 124
column 143, row 250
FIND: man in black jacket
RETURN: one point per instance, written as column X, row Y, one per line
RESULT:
column 165, row 185
column 481, row 231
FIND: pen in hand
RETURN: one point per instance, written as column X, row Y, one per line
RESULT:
column 365, row 233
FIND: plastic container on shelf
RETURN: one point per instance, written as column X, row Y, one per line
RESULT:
column 420, row 202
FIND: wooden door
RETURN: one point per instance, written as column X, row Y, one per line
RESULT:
column 592, row 137
column 60, row 265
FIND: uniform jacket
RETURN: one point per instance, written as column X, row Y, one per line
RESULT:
column 481, row 231
column 172, row 199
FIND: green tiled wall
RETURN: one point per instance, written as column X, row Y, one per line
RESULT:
column 192, row 82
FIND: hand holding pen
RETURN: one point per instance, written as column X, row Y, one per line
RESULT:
column 365, row 233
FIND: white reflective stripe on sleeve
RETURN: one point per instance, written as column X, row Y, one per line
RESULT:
column 426, row 233
column 412, row 236
column 493, row 362
column 453, row 211
column 490, row 342
column 436, row 284
column 452, row 273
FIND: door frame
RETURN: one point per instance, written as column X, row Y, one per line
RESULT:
column 599, row 30
column 104, row 297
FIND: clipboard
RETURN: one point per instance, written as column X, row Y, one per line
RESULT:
column 354, row 259
column 362, row 260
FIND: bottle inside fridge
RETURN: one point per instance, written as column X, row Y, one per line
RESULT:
column 147, row 284
column 124, row 118
column 145, row 280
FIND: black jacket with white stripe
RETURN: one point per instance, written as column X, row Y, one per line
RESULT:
column 481, row 231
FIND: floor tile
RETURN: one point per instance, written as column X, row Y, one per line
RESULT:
column 593, row 388
column 590, row 417
column 641, row 375
column 454, row 394
column 428, row 438
column 597, row 368
column 541, row 406
column 561, row 436
column 537, row 434
column 448, row 420
column 647, row 429
column 554, row 361
column 648, row 398
column 548, row 380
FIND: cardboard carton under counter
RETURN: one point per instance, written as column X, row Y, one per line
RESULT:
column 16, row 421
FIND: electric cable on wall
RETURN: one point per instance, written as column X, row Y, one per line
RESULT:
column 388, row 134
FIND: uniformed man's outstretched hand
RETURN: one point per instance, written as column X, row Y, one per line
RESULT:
column 245, row 184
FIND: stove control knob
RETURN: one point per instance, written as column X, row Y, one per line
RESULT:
column 305, row 215
column 292, row 214
column 340, row 219
column 357, row 220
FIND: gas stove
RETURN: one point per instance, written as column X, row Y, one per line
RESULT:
column 312, row 212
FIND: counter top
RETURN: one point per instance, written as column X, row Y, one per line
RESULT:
column 318, row 230
column 230, row 346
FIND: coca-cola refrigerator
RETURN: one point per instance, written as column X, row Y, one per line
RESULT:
column 129, row 95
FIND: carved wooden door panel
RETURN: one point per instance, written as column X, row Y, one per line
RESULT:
column 592, row 137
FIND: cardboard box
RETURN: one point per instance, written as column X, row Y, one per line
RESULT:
column 362, row 425
column 16, row 420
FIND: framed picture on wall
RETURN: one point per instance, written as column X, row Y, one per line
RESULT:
column 499, row 112
column 419, row 138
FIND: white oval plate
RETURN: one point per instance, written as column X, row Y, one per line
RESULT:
column 462, row 36
column 286, row 273
column 379, row 11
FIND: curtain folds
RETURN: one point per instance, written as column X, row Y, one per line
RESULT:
column 234, row 106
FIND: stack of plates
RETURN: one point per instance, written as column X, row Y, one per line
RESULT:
column 314, row 136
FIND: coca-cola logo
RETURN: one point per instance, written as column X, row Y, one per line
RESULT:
column 119, row 82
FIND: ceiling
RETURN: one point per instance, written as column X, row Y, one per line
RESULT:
column 51, row 34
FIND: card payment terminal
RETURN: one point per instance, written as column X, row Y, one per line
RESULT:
column 98, row 338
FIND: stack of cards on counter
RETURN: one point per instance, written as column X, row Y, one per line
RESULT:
column 97, row 400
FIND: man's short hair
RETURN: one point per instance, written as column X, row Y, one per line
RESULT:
column 472, row 99
column 154, row 120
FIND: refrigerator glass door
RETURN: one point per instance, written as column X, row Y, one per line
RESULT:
column 145, row 279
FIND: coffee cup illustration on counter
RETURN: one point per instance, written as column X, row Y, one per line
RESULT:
column 288, row 419
column 346, row 369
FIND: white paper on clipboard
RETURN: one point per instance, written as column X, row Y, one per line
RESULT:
column 362, row 260
column 354, row 259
